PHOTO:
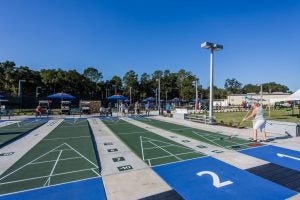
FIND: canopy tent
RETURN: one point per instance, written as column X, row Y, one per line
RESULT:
column 175, row 100
column 117, row 97
column 61, row 95
column 151, row 99
column 293, row 97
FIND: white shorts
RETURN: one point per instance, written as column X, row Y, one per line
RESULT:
column 259, row 124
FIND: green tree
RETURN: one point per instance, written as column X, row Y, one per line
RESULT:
column 145, row 86
column 116, row 85
column 130, row 80
column 233, row 86
column 93, row 74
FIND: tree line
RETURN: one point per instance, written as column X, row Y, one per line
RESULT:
column 90, row 83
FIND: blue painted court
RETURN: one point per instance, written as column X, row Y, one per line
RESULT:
column 208, row 178
column 91, row 189
column 280, row 156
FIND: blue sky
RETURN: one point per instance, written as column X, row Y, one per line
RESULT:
column 260, row 37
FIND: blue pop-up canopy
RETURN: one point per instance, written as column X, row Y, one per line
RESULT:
column 61, row 95
column 117, row 97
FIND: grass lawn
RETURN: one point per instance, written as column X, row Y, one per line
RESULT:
column 278, row 115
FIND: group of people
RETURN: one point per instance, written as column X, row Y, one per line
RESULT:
column 246, row 105
column 124, row 108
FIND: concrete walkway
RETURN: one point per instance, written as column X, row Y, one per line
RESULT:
column 16, row 150
column 124, row 174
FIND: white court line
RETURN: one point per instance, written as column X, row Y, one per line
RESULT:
column 53, row 168
column 30, row 162
column 209, row 140
column 155, row 158
column 47, row 161
column 66, row 138
column 141, row 141
column 82, row 155
column 129, row 133
column 40, row 188
column 63, row 126
column 95, row 172
column 59, row 174
column 181, row 161
column 63, row 150
column 159, row 146
column 150, row 139
column 74, row 121
column 166, row 151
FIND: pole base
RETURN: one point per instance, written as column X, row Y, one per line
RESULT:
column 211, row 121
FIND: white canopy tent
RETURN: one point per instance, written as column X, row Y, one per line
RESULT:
column 293, row 97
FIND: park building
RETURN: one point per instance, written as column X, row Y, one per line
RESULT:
column 237, row 99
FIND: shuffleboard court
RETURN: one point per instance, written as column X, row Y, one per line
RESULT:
column 209, row 178
column 150, row 147
column 278, row 155
column 66, row 155
column 14, row 131
column 214, row 138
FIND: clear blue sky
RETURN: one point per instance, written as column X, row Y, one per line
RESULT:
column 261, row 38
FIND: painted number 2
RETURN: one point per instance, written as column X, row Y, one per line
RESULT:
column 216, row 179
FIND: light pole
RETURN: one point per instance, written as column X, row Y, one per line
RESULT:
column 166, row 96
column 20, row 88
column 156, row 97
column 106, row 92
column 213, row 47
column 130, row 94
column 196, row 93
column 261, row 92
column 37, row 91
column 115, row 86
column 159, row 106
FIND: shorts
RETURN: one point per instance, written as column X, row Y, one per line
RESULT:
column 260, row 124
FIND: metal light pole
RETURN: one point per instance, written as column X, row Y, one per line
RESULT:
column 261, row 93
column 37, row 91
column 156, row 97
column 159, row 105
column 196, row 83
column 213, row 47
column 20, row 88
column 130, row 94
column 106, row 92
column 166, row 96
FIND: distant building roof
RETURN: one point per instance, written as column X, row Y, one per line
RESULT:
column 264, row 93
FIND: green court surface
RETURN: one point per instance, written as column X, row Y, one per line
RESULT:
column 214, row 138
column 13, row 131
column 150, row 147
column 66, row 154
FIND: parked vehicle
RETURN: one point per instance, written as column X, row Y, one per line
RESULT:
column 85, row 107
column 45, row 105
column 65, row 107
